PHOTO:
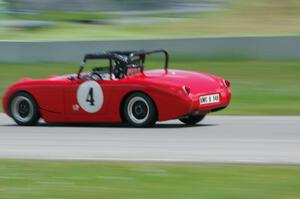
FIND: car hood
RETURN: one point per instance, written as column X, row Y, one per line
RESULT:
column 196, row 81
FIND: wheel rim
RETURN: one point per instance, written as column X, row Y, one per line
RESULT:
column 138, row 110
column 22, row 109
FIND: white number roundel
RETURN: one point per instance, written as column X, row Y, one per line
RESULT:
column 90, row 96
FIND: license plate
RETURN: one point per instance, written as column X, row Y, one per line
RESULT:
column 208, row 99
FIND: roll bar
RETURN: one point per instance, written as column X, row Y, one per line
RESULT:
column 124, row 58
column 153, row 52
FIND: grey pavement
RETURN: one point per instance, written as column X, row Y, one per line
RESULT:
column 235, row 139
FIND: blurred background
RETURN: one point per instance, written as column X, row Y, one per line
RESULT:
column 253, row 43
column 132, row 19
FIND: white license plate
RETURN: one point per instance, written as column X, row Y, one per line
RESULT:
column 208, row 99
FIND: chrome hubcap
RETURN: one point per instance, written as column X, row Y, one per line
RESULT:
column 138, row 110
column 22, row 109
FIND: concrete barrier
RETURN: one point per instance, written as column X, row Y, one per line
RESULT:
column 250, row 48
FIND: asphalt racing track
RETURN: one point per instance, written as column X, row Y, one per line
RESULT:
column 218, row 139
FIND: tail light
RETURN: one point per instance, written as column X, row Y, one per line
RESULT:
column 226, row 83
column 186, row 90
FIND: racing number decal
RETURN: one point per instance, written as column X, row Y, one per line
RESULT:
column 90, row 96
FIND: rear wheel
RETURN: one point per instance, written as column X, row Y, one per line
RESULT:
column 139, row 110
column 192, row 119
column 23, row 109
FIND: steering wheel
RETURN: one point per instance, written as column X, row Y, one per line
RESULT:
column 96, row 76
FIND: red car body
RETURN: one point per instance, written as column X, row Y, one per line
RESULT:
column 56, row 96
column 175, row 93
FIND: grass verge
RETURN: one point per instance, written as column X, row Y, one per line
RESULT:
column 73, row 179
column 259, row 87
column 235, row 18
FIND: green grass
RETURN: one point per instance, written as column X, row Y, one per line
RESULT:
column 238, row 17
column 74, row 179
column 258, row 87
column 64, row 16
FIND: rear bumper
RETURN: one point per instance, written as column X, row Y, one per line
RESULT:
column 225, row 98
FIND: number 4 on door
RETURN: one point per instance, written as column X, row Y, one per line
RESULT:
column 90, row 97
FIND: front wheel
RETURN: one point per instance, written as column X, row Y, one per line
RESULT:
column 139, row 110
column 192, row 119
column 23, row 109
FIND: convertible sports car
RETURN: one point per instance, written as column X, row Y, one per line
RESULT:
column 121, row 92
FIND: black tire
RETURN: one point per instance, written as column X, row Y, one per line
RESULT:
column 23, row 109
column 192, row 119
column 139, row 110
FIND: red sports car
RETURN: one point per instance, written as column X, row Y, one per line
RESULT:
column 121, row 92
